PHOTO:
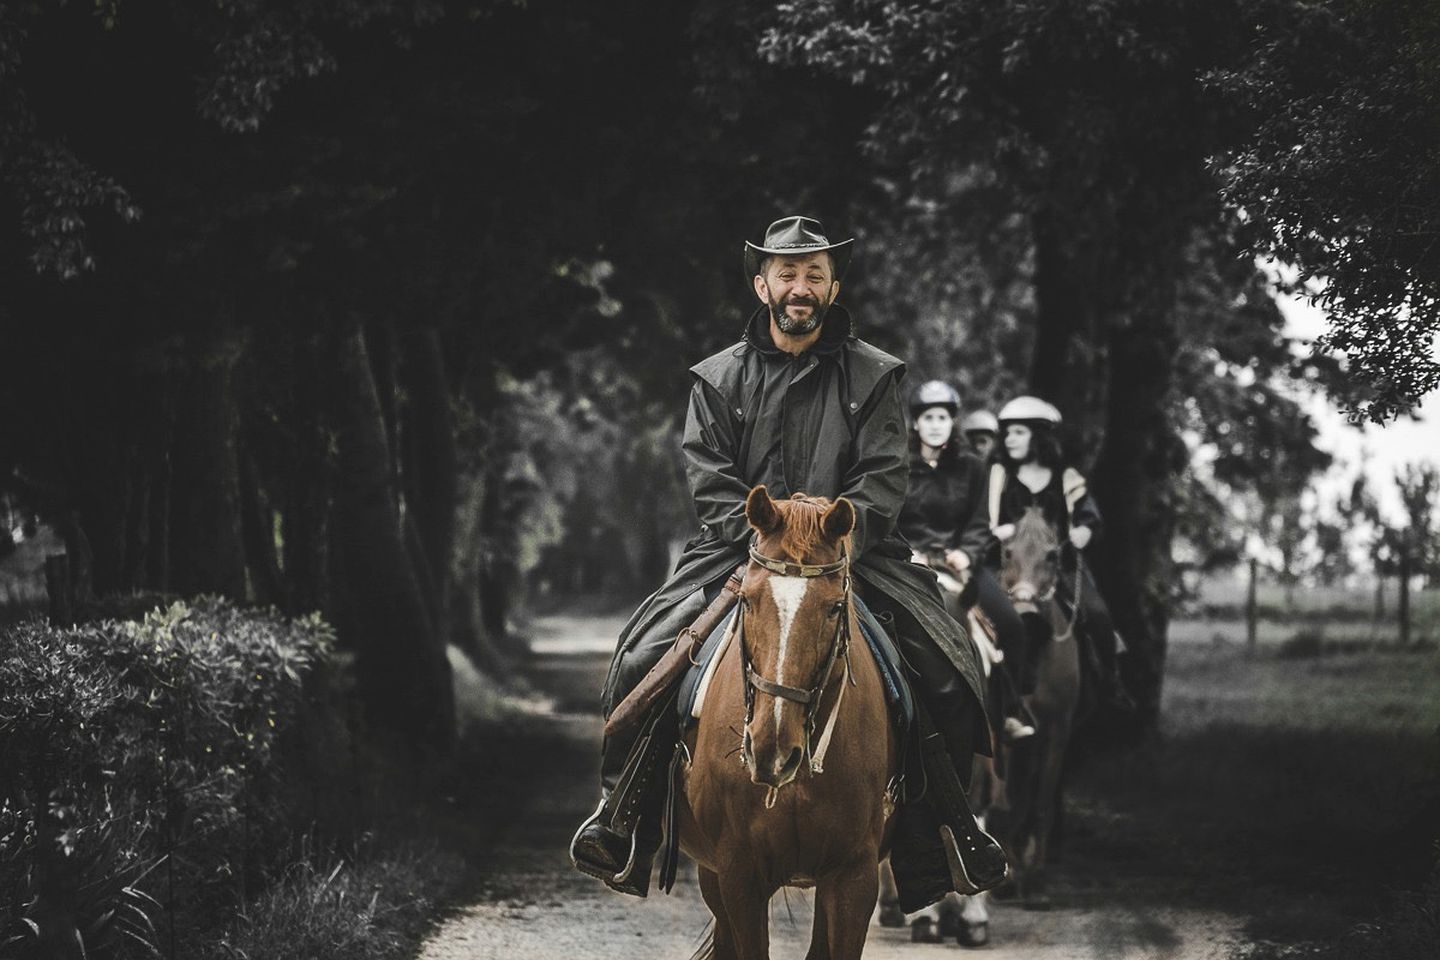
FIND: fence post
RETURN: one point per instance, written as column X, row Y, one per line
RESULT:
column 1252, row 611
column 1405, row 591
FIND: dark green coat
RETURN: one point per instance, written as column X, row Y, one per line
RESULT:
column 828, row 423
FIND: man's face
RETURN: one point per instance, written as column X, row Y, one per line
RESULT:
column 798, row 290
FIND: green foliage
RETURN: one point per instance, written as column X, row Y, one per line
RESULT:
column 1338, row 174
column 126, row 744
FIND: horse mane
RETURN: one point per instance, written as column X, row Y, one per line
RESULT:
column 1032, row 525
column 802, row 531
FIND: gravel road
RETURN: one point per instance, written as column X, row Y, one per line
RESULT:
column 533, row 905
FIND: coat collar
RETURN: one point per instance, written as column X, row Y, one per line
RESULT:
column 834, row 332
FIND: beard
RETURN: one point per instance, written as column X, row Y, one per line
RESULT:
column 790, row 325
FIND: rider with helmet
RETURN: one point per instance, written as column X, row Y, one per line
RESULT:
column 944, row 521
column 1029, row 470
column 981, row 431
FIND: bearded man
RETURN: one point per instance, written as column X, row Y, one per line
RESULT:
column 801, row 405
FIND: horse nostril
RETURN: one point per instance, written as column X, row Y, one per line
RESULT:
column 791, row 764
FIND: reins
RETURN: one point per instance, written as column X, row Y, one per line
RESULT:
column 839, row 649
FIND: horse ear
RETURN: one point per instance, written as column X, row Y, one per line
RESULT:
column 761, row 511
column 839, row 519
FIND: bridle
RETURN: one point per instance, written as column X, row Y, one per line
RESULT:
column 1049, row 595
column 839, row 649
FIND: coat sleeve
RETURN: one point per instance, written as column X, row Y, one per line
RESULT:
column 976, row 539
column 972, row 523
column 880, row 470
column 711, row 446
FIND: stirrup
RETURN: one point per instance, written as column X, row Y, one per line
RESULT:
column 965, row 884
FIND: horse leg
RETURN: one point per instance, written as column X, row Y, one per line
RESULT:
column 1037, row 897
column 974, row 921
column 723, row 938
column 890, row 913
column 843, row 900
column 746, row 902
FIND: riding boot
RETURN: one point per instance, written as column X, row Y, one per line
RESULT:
column 975, row 859
column 617, row 843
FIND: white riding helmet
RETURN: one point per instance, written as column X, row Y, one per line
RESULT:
column 981, row 421
column 1030, row 410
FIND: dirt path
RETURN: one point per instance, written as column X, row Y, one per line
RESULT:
column 533, row 905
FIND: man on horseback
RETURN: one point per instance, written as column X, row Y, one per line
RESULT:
column 800, row 405
column 1030, row 471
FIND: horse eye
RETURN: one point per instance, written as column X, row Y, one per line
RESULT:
column 838, row 609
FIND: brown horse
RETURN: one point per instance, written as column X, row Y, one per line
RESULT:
column 1030, row 573
column 798, row 696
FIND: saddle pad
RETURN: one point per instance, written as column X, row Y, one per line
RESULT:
column 882, row 650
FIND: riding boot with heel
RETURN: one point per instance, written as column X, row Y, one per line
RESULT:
column 618, row 842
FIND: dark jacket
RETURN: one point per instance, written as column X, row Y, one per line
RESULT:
column 944, row 501
column 1065, row 502
column 827, row 423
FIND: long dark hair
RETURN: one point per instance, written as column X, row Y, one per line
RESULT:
column 1044, row 446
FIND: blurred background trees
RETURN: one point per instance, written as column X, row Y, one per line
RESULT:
column 384, row 308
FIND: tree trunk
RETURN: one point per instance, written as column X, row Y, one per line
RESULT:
column 1252, row 614
column 1404, row 603
column 1133, row 483
column 257, row 521
column 306, row 483
column 207, row 553
column 404, row 676
column 431, row 469
column 1066, row 324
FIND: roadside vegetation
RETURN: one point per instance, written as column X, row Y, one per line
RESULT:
column 196, row 783
column 1295, row 785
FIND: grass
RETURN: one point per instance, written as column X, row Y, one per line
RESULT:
column 1297, row 786
column 374, row 907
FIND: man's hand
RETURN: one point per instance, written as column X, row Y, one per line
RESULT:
column 1080, row 536
column 1004, row 532
column 917, row 557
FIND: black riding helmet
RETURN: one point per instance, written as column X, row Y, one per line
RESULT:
column 934, row 393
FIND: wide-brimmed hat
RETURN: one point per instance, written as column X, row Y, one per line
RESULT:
column 796, row 236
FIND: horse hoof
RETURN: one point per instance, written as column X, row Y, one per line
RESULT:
column 923, row 931
column 973, row 934
column 891, row 915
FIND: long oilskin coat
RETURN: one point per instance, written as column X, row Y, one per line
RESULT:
column 827, row 423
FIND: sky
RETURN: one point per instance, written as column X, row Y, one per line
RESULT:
column 1380, row 451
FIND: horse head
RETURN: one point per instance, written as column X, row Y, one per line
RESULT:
column 795, row 624
column 1030, row 562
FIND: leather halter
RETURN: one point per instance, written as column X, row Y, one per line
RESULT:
column 839, row 646
column 1049, row 595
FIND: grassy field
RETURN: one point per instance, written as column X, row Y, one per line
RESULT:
column 1297, row 785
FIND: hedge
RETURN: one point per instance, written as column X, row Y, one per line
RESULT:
column 150, row 769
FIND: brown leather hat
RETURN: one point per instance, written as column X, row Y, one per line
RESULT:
column 790, row 236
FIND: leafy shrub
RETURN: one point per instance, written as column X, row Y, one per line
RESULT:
column 141, row 763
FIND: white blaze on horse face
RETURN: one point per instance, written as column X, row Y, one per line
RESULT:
column 789, row 593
